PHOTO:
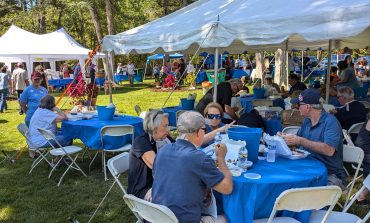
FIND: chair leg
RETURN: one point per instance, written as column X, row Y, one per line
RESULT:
column 101, row 202
column 42, row 156
column 73, row 163
column 96, row 154
column 55, row 166
column 104, row 167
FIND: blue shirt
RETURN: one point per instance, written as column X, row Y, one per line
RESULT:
column 181, row 175
column 4, row 81
column 328, row 131
column 42, row 118
column 32, row 97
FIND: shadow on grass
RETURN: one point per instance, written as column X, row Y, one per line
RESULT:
column 3, row 121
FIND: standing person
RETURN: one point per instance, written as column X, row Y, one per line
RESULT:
column 4, row 87
column 348, row 77
column 65, row 70
column 76, row 69
column 39, row 68
column 19, row 82
column 131, row 72
column 184, row 175
column 92, row 72
column 189, row 68
column 31, row 96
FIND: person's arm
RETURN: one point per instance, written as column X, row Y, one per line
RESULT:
column 226, row 185
column 211, row 135
column 148, row 158
column 318, row 147
column 23, row 107
column 61, row 115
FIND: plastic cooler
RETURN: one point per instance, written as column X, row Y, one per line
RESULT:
column 252, row 137
column 105, row 113
column 259, row 93
column 211, row 76
column 187, row 104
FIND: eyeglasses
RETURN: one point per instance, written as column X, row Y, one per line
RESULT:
column 212, row 116
column 204, row 129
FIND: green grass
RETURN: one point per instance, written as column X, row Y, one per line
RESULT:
column 35, row 198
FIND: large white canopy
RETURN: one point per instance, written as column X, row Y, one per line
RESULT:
column 18, row 45
column 238, row 25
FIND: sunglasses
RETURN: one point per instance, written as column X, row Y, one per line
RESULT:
column 212, row 116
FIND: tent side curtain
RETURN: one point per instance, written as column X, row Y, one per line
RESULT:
column 266, row 25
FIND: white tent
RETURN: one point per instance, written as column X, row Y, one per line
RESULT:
column 18, row 45
column 237, row 25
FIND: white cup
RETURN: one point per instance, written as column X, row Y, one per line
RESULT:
column 271, row 156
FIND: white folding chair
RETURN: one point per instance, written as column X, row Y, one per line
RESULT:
column 151, row 212
column 355, row 128
column 137, row 109
column 61, row 152
column 365, row 103
column 328, row 107
column 42, row 152
column 366, row 185
column 291, row 130
column 354, row 155
column 262, row 102
column 117, row 165
column 115, row 131
column 302, row 199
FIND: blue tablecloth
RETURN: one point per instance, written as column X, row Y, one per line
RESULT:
column 120, row 77
column 237, row 73
column 54, row 83
column 171, row 111
column 88, row 131
column 273, row 126
column 254, row 199
column 202, row 76
column 100, row 81
column 65, row 81
column 247, row 103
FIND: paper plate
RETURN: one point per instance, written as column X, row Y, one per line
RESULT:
column 253, row 176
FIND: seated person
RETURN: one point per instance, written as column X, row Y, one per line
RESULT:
column 334, row 79
column 46, row 116
column 348, row 77
column 320, row 134
column 183, row 174
column 244, row 80
column 225, row 91
column 363, row 141
column 362, row 68
column 213, row 114
column 295, row 84
column 352, row 111
column 292, row 117
column 143, row 152
column 252, row 119
column 81, row 107
column 270, row 87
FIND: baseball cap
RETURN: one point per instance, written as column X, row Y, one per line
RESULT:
column 308, row 96
column 36, row 75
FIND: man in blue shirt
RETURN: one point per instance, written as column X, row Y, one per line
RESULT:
column 183, row 174
column 321, row 134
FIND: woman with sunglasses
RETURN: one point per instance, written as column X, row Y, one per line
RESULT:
column 214, row 115
column 144, row 150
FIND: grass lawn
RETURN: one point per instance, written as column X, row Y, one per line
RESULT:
column 35, row 198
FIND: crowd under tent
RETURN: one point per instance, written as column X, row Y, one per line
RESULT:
column 18, row 45
column 253, row 25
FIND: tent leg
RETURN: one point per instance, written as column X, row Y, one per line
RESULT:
column 216, row 76
column 328, row 73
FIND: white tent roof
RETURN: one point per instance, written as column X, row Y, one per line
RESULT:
column 17, row 42
column 250, row 25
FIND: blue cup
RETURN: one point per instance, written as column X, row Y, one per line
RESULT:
column 187, row 104
column 251, row 136
column 259, row 93
column 105, row 113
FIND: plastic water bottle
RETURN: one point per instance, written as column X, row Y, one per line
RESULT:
column 218, row 138
column 243, row 158
column 272, row 151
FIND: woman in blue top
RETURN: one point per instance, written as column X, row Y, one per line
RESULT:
column 31, row 96
column 214, row 114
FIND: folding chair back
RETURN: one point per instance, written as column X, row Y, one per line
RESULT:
column 23, row 129
column 311, row 198
column 347, row 137
column 154, row 213
column 118, row 165
column 355, row 128
column 137, row 109
column 291, row 130
column 178, row 113
column 328, row 107
column 365, row 103
column 262, row 102
column 352, row 154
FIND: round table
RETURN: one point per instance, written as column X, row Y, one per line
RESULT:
column 254, row 199
column 88, row 131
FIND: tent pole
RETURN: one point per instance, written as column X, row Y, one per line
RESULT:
column 216, row 76
column 302, row 72
column 287, row 68
column 328, row 73
column 109, row 59
column 146, row 65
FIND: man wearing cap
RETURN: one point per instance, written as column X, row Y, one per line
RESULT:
column 19, row 81
column 31, row 96
column 270, row 87
column 183, row 174
column 320, row 134
column 295, row 84
column 225, row 92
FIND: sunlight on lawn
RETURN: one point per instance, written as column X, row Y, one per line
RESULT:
column 5, row 213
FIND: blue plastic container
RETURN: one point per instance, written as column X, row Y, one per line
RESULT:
column 104, row 113
column 187, row 104
column 259, row 93
column 251, row 135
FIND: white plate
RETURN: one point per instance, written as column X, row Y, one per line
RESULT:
column 301, row 155
column 252, row 176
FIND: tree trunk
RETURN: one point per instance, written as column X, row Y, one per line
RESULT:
column 24, row 5
column 99, row 33
column 184, row 3
column 109, row 8
column 165, row 7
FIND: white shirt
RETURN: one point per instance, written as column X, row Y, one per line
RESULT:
column 19, row 77
column 42, row 118
column 130, row 69
column 189, row 68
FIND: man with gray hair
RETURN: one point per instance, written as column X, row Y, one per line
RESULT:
column 352, row 111
column 320, row 134
column 19, row 81
column 225, row 91
column 182, row 173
